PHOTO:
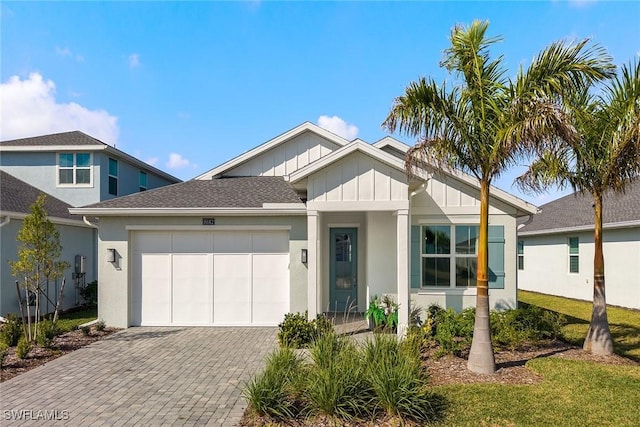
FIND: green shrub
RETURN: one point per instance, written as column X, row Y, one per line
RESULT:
column 90, row 293
column 23, row 348
column 273, row 392
column 86, row 330
column 11, row 331
column 100, row 325
column 3, row 351
column 298, row 332
column 398, row 380
column 454, row 331
column 47, row 331
column 383, row 312
column 336, row 384
column 512, row 328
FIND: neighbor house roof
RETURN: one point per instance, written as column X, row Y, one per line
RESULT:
column 202, row 195
column 16, row 197
column 575, row 212
column 67, row 141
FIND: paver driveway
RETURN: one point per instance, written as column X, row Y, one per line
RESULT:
column 143, row 376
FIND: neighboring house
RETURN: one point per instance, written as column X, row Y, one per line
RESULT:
column 556, row 249
column 306, row 221
column 77, row 168
column 76, row 237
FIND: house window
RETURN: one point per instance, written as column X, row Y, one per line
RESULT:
column 113, row 177
column 449, row 255
column 74, row 169
column 520, row 254
column 143, row 181
column 574, row 255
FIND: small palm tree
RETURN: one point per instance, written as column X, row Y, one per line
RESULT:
column 605, row 157
column 485, row 122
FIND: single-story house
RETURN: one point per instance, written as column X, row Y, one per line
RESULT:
column 556, row 248
column 76, row 237
column 306, row 221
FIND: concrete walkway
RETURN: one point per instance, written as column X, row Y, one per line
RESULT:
column 142, row 376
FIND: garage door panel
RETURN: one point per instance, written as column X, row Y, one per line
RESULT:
column 152, row 242
column 270, row 288
column 232, row 289
column 155, row 295
column 191, row 289
column 270, row 242
column 191, row 242
column 233, row 242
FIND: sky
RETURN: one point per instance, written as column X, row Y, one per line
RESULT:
column 186, row 86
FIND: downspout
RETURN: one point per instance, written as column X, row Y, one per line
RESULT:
column 90, row 224
column 5, row 221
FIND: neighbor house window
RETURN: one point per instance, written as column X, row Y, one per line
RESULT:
column 520, row 254
column 449, row 255
column 574, row 255
column 74, row 169
column 143, row 181
column 113, row 177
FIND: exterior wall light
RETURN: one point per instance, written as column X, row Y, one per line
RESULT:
column 303, row 256
column 111, row 255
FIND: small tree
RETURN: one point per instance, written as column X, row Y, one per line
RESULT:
column 39, row 249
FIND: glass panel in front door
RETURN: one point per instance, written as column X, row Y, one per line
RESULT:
column 344, row 265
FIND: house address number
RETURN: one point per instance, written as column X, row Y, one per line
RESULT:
column 208, row 221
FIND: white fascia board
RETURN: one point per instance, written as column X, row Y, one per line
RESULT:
column 358, row 206
column 248, row 155
column 139, row 163
column 208, row 227
column 53, row 219
column 590, row 227
column 52, row 148
column 365, row 148
column 185, row 211
column 389, row 141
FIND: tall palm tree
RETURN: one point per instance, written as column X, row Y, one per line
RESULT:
column 605, row 157
column 485, row 122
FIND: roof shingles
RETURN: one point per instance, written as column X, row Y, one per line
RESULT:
column 56, row 139
column 576, row 210
column 242, row 192
column 18, row 196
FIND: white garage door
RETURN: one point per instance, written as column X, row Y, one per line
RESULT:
column 220, row 278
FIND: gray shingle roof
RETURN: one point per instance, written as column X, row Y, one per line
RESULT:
column 65, row 138
column 576, row 210
column 243, row 192
column 18, row 196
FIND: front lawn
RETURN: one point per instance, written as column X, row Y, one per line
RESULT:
column 624, row 323
column 72, row 320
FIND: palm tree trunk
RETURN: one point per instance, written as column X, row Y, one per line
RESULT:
column 481, row 358
column 598, row 339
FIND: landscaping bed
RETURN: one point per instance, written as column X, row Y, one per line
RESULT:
column 38, row 356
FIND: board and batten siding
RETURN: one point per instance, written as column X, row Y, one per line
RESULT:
column 286, row 158
column 357, row 177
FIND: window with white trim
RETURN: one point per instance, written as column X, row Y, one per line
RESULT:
column 143, row 181
column 520, row 254
column 113, row 177
column 74, row 169
column 449, row 255
column 574, row 255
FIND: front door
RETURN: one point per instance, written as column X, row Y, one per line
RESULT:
column 343, row 269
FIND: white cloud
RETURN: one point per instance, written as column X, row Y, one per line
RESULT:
column 134, row 60
column 338, row 126
column 29, row 108
column 176, row 161
column 153, row 161
column 63, row 51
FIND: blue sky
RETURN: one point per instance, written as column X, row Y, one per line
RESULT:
column 189, row 85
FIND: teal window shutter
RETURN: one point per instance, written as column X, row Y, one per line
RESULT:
column 496, row 257
column 415, row 256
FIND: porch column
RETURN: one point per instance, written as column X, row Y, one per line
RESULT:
column 403, row 270
column 312, row 264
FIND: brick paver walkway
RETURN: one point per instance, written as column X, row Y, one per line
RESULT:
column 142, row 376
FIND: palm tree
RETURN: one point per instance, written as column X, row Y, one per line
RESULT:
column 606, row 157
column 485, row 122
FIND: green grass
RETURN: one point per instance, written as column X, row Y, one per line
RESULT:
column 623, row 323
column 573, row 393
column 68, row 321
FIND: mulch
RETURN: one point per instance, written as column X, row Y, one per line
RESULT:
column 38, row 356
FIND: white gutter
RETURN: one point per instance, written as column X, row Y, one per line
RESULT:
column 53, row 219
column 590, row 227
column 184, row 211
column 90, row 224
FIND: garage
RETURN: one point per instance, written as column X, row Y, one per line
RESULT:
column 209, row 278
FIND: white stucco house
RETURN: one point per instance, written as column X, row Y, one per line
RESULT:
column 556, row 249
column 305, row 221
